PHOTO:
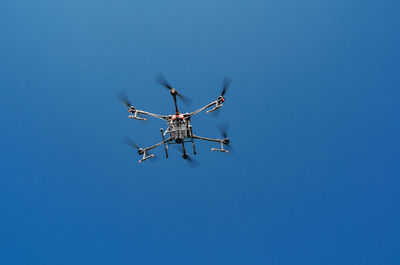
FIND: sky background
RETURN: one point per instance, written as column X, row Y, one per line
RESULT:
column 314, row 119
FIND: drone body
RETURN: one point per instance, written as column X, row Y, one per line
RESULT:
column 179, row 129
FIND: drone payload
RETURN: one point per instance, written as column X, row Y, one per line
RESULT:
column 179, row 129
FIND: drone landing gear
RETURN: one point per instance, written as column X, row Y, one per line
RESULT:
column 184, row 155
column 165, row 147
column 134, row 116
column 220, row 150
column 215, row 108
column 194, row 148
column 145, row 157
column 191, row 139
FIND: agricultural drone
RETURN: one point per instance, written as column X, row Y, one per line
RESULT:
column 179, row 129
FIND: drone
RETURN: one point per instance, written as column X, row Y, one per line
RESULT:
column 179, row 129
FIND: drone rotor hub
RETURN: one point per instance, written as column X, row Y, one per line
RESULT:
column 132, row 109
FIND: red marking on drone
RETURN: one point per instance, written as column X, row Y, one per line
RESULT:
column 177, row 116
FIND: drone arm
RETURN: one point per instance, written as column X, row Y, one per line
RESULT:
column 149, row 114
column 220, row 141
column 208, row 139
column 156, row 145
column 145, row 150
column 215, row 102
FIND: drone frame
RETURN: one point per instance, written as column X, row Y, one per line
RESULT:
column 179, row 125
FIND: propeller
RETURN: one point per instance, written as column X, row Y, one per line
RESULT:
column 185, row 100
column 225, row 84
column 162, row 81
column 128, row 141
column 223, row 129
column 191, row 161
column 227, row 81
column 121, row 96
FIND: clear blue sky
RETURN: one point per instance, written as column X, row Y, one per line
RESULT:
column 314, row 118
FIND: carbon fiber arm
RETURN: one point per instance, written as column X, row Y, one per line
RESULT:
column 208, row 139
column 145, row 150
column 220, row 141
column 137, row 111
column 215, row 102
column 156, row 145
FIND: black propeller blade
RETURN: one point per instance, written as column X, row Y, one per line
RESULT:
column 121, row 96
column 192, row 162
column 185, row 100
column 227, row 81
column 128, row 141
column 162, row 81
column 225, row 84
column 223, row 129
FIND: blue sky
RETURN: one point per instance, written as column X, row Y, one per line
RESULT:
column 313, row 114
